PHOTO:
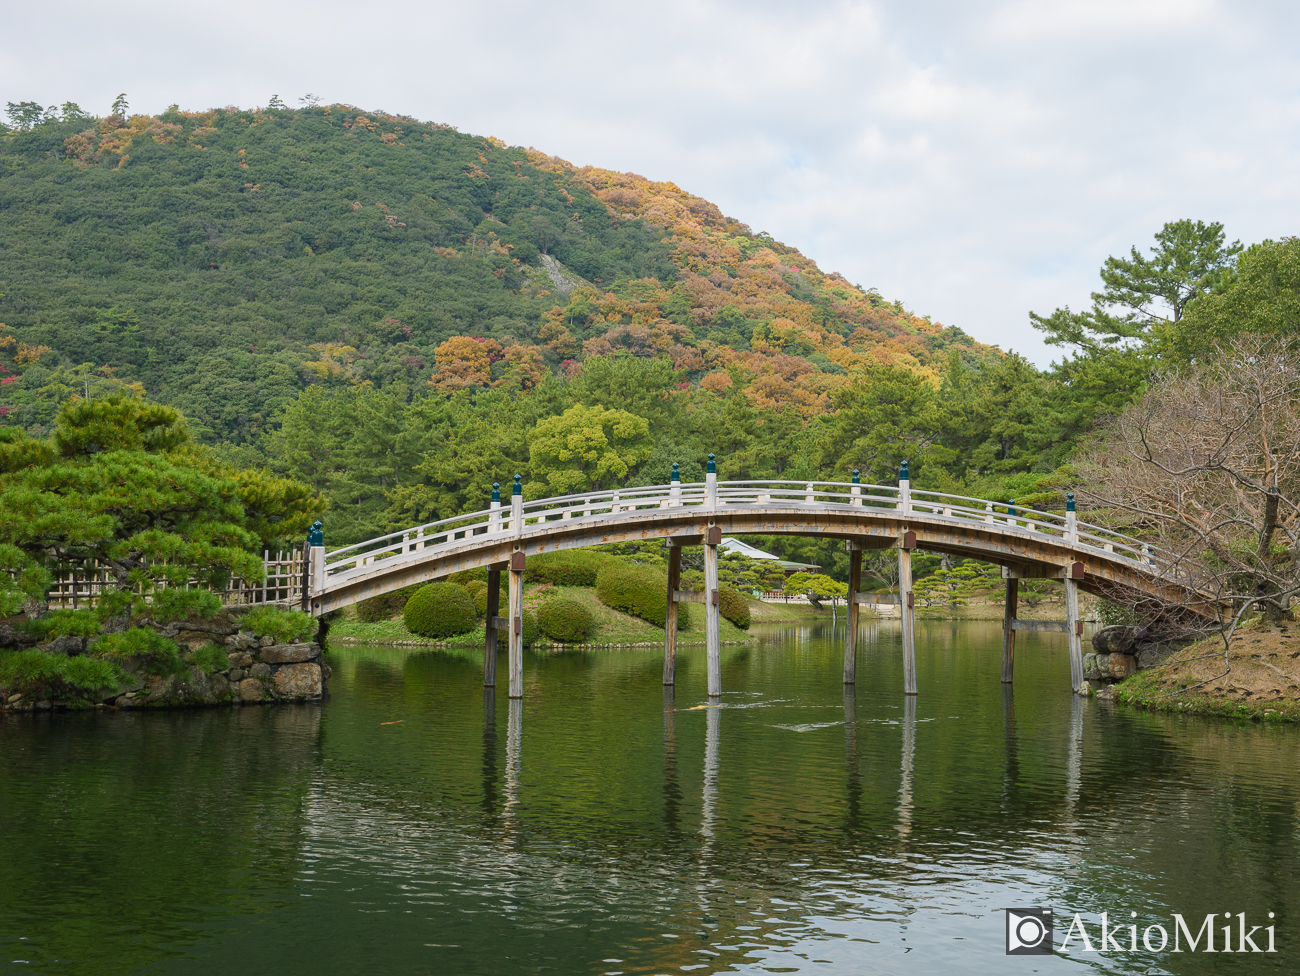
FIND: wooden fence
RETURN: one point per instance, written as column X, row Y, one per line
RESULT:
column 282, row 584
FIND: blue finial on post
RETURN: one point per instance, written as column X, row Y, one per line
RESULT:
column 1069, row 502
column 518, row 487
column 677, row 475
column 496, row 491
column 902, row 472
column 713, row 467
column 1011, row 507
column 316, row 534
column 856, row 479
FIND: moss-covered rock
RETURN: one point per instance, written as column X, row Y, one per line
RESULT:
column 567, row 621
column 438, row 610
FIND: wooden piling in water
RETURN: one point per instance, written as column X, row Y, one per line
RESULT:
column 670, row 614
column 1074, row 629
column 1008, row 629
column 851, row 617
column 906, row 612
column 490, row 641
column 516, row 636
column 713, row 609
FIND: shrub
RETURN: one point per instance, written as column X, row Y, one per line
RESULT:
column 60, row 623
column 440, row 610
column 178, row 603
column 282, row 626
column 638, row 590
column 481, row 599
column 210, row 658
column 478, row 591
column 466, row 576
column 155, row 653
column 37, row 673
column 564, row 620
column 733, row 606
column 573, row 567
column 531, row 629
column 385, row 607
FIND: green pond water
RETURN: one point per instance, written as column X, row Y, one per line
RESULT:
column 602, row 826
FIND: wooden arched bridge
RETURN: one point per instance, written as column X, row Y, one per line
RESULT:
column 1027, row 544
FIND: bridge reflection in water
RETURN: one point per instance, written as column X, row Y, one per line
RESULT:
column 1025, row 543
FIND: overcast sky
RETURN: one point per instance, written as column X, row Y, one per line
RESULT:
column 973, row 160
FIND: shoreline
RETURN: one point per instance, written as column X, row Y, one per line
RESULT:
column 1262, row 683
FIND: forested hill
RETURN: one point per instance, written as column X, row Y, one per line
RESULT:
column 226, row 260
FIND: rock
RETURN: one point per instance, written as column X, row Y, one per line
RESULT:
column 218, row 688
column 260, row 671
column 15, row 698
column 236, row 675
column 1107, row 693
column 67, row 644
column 1090, row 669
column 241, row 641
column 1152, row 654
column 267, row 641
column 44, row 706
column 240, row 659
column 1116, row 667
column 1115, row 639
column 298, row 681
column 251, row 690
column 289, row 653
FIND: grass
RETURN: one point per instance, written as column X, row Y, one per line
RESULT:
column 1263, row 683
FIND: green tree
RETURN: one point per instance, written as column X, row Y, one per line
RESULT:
column 586, row 449
column 1143, row 292
column 119, row 483
column 624, row 382
column 1262, row 297
column 884, row 416
column 24, row 115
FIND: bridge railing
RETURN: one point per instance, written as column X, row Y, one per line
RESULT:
column 501, row 519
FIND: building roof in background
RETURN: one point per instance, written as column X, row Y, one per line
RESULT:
column 753, row 552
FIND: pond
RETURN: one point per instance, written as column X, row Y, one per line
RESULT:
column 413, row 824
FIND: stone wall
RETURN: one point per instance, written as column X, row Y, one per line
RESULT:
column 1120, row 651
column 250, row 669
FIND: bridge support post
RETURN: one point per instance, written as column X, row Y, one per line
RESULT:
column 670, row 615
column 516, row 625
column 1008, row 633
column 1074, row 628
column 906, row 613
column 490, row 642
column 712, row 609
column 851, row 617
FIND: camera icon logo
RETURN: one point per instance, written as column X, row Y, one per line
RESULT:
column 1029, row 931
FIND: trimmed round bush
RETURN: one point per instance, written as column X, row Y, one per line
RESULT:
column 440, row 610
column 572, row 567
column 385, row 607
column 638, row 590
column 531, row 629
column 477, row 590
column 733, row 606
column 481, row 600
column 563, row 620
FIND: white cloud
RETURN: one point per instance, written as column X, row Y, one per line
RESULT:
column 974, row 160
